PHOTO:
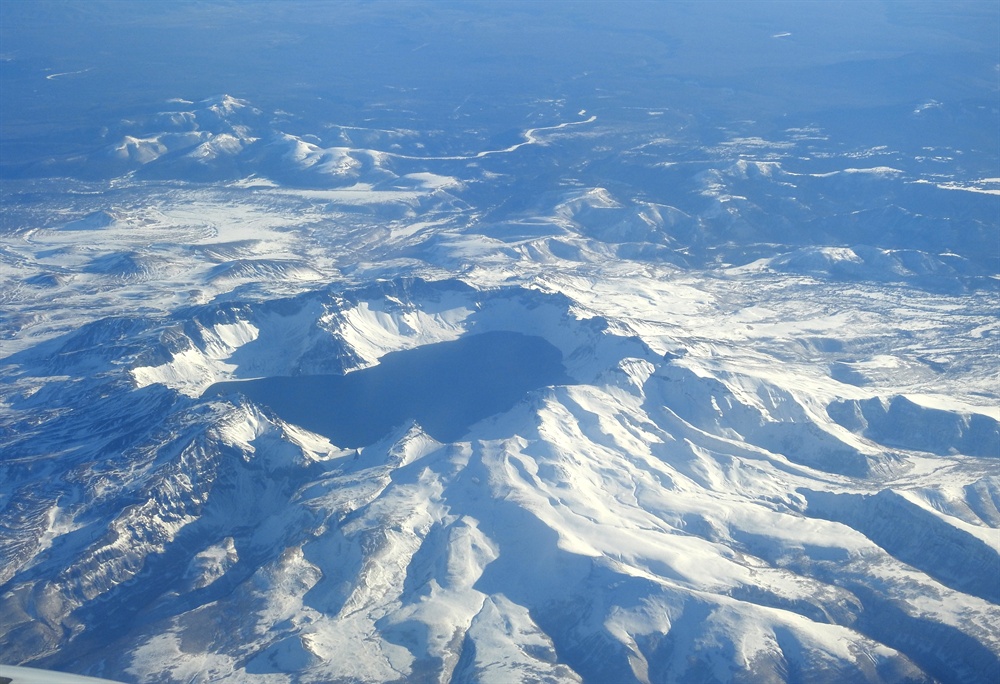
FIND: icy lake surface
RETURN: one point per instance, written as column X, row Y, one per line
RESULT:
column 445, row 387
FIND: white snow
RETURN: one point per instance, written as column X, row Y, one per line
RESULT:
column 31, row 675
column 685, row 499
column 984, row 186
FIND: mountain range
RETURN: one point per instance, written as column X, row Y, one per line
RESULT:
column 607, row 393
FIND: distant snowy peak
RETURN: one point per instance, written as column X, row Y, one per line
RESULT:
column 862, row 262
column 729, row 212
column 596, row 213
column 296, row 159
column 212, row 129
column 898, row 228
column 225, row 138
column 215, row 114
column 220, row 145
column 226, row 105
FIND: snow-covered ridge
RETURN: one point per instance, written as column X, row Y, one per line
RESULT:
column 335, row 332
column 773, row 452
column 652, row 495
column 221, row 138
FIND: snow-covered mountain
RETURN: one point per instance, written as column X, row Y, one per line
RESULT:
column 651, row 514
column 605, row 393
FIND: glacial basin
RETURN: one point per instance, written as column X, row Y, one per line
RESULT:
column 445, row 387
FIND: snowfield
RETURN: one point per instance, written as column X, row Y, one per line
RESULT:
column 30, row 675
column 606, row 393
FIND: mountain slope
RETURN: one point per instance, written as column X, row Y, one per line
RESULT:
column 469, row 343
column 646, row 519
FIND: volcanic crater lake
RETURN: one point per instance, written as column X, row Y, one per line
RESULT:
column 446, row 387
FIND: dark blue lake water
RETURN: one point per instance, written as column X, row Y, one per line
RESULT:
column 445, row 387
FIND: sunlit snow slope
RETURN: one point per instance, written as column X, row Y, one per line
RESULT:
column 576, row 390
